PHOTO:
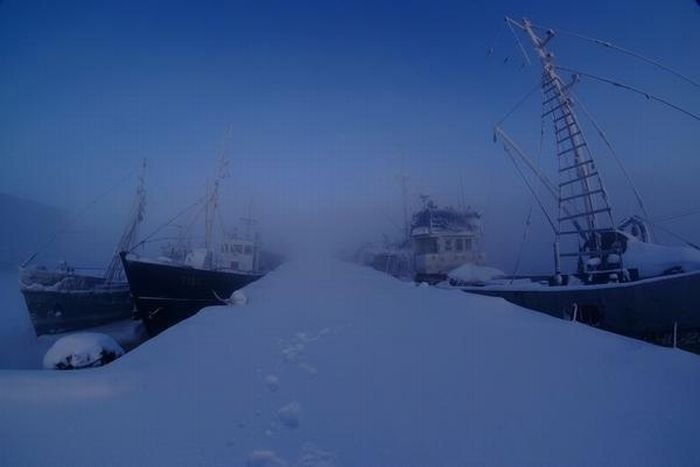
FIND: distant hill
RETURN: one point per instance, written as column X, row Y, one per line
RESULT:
column 24, row 226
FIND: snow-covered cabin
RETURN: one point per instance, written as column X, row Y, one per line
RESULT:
column 444, row 239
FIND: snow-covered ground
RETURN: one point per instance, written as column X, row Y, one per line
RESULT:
column 332, row 364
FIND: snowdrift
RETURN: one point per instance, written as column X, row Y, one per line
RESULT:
column 332, row 364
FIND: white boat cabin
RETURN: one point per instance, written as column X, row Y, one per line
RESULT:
column 445, row 239
column 440, row 253
column 238, row 254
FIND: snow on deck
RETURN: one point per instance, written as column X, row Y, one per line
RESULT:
column 332, row 364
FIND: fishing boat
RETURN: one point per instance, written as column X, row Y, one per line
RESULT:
column 438, row 240
column 176, row 285
column 66, row 298
column 444, row 239
column 617, row 278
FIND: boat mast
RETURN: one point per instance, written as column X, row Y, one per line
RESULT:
column 115, row 272
column 582, row 198
column 213, row 202
column 403, row 179
column 213, row 199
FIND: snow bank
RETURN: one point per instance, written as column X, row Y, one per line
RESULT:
column 82, row 350
column 474, row 274
column 405, row 376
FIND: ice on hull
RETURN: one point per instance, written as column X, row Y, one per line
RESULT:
column 165, row 294
column 647, row 309
column 56, row 311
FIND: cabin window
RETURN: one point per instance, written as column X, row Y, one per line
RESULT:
column 459, row 244
column 468, row 244
column 426, row 246
column 238, row 249
column 448, row 244
column 248, row 250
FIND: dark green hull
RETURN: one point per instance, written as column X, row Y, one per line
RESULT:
column 55, row 312
column 647, row 309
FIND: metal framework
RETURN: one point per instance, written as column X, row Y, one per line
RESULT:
column 581, row 196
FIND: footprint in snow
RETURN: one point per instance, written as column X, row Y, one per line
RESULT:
column 290, row 415
column 294, row 350
column 308, row 369
column 311, row 456
column 272, row 383
column 265, row 459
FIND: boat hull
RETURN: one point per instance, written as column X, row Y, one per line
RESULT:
column 648, row 309
column 53, row 312
column 165, row 294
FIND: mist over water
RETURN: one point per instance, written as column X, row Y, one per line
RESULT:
column 328, row 107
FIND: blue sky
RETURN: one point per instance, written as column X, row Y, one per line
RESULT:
column 328, row 102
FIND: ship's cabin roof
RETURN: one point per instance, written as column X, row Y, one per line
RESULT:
column 431, row 219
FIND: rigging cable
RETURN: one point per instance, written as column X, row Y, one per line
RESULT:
column 520, row 44
column 631, row 53
column 530, row 187
column 615, row 155
column 518, row 104
column 680, row 215
column 74, row 219
column 528, row 219
column 221, row 223
column 632, row 89
column 168, row 222
column 675, row 235
column 161, row 239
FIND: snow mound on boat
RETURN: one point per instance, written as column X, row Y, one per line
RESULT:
column 82, row 350
column 656, row 260
column 472, row 273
